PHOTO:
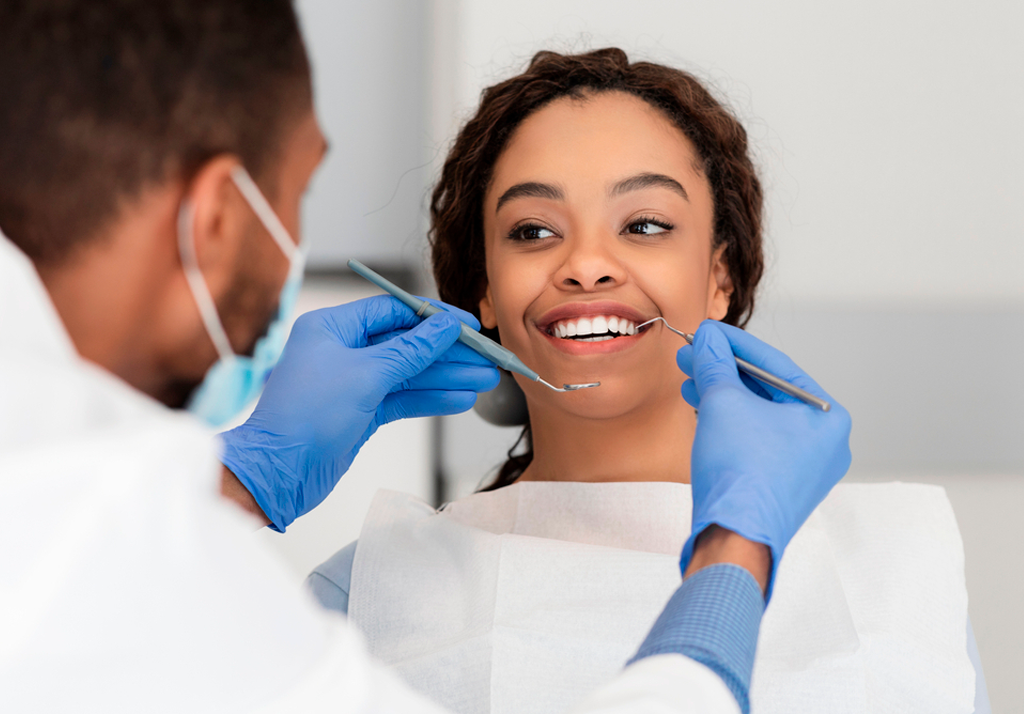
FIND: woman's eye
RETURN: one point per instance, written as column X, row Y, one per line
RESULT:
column 647, row 227
column 530, row 232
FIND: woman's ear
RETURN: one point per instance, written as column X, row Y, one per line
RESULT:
column 719, row 285
column 488, row 318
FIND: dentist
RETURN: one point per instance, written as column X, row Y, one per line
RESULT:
column 153, row 157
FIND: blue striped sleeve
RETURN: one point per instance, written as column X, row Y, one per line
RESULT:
column 714, row 618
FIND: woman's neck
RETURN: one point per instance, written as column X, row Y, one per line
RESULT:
column 649, row 444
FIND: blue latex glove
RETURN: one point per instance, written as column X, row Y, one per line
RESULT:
column 762, row 461
column 344, row 372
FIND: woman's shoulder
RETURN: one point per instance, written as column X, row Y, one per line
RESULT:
column 331, row 581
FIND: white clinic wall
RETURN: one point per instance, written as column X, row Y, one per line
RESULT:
column 370, row 87
column 889, row 132
column 891, row 139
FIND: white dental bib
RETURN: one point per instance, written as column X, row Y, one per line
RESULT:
column 528, row 598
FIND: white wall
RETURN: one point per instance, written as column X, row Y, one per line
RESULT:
column 370, row 86
column 889, row 132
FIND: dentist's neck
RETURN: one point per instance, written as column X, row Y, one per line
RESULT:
column 652, row 443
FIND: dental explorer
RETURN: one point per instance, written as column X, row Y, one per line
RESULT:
column 757, row 373
column 471, row 338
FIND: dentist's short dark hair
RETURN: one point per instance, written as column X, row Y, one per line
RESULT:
column 101, row 99
column 456, row 210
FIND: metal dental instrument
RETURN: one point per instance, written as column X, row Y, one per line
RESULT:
column 756, row 372
column 469, row 337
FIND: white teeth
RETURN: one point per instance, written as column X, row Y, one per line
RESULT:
column 600, row 326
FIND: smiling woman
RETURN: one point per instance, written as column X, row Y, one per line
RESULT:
column 624, row 233
column 591, row 190
column 587, row 196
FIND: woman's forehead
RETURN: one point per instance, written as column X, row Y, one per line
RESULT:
column 592, row 143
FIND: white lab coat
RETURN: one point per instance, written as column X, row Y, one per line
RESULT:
column 127, row 584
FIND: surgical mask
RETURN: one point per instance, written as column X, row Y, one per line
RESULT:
column 235, row 380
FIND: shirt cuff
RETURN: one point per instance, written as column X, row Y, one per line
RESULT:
column 714, row 618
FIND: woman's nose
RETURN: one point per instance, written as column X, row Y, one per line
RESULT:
column 589, row 265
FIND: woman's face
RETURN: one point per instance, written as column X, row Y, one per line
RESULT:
column 598, row 217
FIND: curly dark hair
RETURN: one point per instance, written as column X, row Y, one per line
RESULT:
column 456, row 210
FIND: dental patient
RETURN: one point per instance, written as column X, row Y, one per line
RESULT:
column 585, row 197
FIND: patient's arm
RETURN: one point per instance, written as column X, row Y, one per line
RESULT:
column 718, row 545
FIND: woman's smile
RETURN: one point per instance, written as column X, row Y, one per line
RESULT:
column 592, row 328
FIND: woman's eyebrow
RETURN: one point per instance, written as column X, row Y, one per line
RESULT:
column 531, row 189
column 648, row 180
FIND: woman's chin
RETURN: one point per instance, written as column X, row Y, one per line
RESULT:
column 615, row 398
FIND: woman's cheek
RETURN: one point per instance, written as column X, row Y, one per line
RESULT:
column 510, row 312
column 687, row 289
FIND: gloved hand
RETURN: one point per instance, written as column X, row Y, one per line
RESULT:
column 344, row 372
column 762, row 461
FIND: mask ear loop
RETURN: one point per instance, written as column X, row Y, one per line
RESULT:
column 259, row 204
column 296, row 253
column 197, row 284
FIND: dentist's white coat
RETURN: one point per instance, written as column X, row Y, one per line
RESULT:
column 127, row 584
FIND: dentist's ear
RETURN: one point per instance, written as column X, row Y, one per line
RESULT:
column 221, row 223
column 488, row 318
column 720, row 286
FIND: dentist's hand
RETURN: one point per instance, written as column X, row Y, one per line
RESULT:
column 762, row 461
column 346, row 371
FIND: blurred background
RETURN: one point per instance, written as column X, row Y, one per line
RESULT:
column 890, row 136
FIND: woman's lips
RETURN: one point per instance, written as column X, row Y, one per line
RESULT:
column 592, row 327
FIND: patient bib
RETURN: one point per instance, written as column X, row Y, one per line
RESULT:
column 529, row 598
